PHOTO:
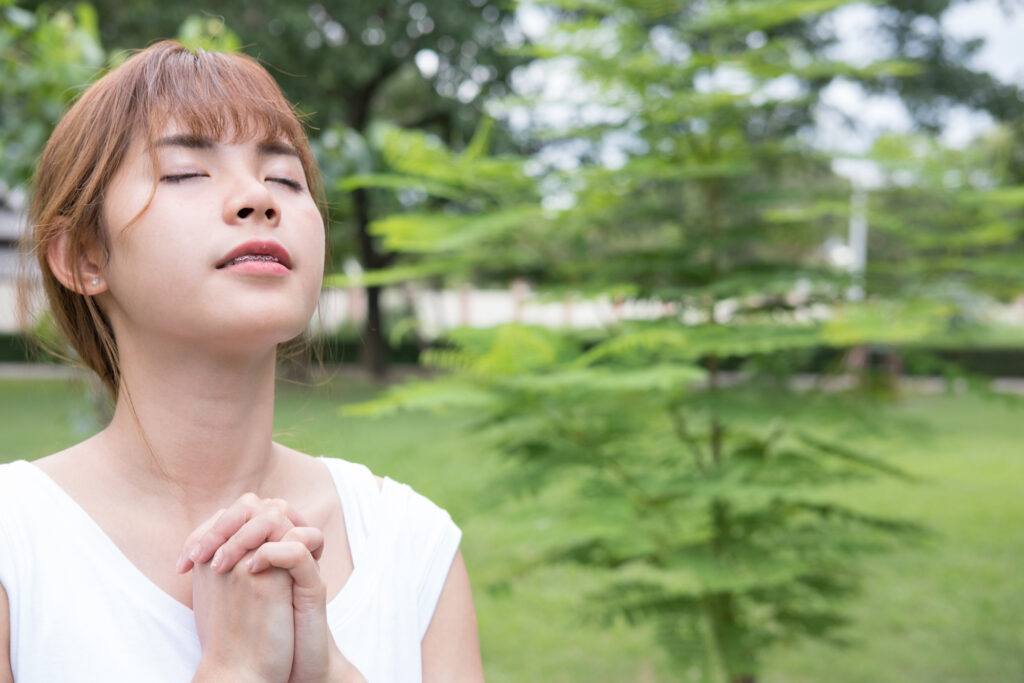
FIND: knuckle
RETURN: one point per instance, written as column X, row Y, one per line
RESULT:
column 241, row 568
column 229, row 548
column 276, row 518
column 249, row 499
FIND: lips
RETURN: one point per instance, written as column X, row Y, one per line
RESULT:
column 258, row 248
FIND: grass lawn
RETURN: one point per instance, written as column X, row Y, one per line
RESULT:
column 946, row 612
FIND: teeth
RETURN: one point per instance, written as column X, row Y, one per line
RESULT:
column 252, row 257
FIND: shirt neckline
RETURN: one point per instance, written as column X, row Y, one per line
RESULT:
column 356, row 589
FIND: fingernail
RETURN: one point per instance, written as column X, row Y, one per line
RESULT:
column 216, row 560
column 194, row 555
column 248, row 565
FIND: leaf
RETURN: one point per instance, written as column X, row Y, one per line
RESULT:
column 394, row 181
column 390, row 276
column 659, row 378
column 437, row 396
column 749, row 15
column 853, row 456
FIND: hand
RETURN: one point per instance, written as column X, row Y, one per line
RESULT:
column 245, row 624
column 268, row 527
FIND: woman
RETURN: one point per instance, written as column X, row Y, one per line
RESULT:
column 178, row 221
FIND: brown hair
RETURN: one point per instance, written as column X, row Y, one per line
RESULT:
column 210, row 94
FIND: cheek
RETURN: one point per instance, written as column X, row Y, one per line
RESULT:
column 125, row 198
column 163, row 259
column 313, row 237
column 168, row 236
column 316, row 256
column 310, row 240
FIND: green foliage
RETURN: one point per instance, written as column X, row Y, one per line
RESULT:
column 46, row 59
column 948, row 221
column 717, row 534
column 208, row 33
column 713, row 528
column 490, row 221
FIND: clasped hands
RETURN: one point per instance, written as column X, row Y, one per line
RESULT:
column 258, row 547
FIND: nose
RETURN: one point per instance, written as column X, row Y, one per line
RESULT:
column 252, row 204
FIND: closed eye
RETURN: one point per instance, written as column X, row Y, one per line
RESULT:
column 289, row 182
column 185, row 176
column 181, row 176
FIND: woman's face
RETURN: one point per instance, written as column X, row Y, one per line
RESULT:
column 163, row 278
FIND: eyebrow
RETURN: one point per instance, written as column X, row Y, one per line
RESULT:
column 265, row 148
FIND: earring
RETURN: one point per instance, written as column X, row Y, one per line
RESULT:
column 95, row 281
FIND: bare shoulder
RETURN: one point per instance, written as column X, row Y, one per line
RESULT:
column 306, row 465
column 55, row 463
column 74, row 469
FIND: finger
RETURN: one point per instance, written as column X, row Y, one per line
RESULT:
column 245, row 508
column 269, row 525
column 183, row 563
column 260, row 530
column 309, row 536
column 290, row 555
column 237, row 514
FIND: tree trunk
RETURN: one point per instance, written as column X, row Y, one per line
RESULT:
column 374, row 349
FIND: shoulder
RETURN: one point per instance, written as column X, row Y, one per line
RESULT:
column 429, row 536
column 73, row 468
column 304, row 468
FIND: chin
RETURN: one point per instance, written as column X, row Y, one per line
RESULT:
column 255, row 332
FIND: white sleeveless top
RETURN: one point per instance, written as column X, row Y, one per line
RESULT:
column 81, row 611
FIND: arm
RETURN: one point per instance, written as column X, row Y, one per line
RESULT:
column 6, row 675
column 451, row 646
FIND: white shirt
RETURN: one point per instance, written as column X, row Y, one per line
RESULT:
column 81, row 611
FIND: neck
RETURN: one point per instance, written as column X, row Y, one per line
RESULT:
column 193, row 431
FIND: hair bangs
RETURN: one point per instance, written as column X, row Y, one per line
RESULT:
column 227, row 98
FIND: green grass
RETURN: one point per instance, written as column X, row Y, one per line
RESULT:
column 948, row 611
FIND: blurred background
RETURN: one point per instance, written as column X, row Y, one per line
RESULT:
column 703, row 319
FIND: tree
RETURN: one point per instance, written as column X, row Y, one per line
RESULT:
column 710, row 526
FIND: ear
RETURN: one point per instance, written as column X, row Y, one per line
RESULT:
column 87, row 267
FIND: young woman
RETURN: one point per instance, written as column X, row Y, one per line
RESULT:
column 178, row 221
